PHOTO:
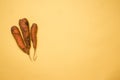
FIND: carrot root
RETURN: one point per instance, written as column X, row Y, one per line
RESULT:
column 30, row 57
column 35, row 55
column 24, row 38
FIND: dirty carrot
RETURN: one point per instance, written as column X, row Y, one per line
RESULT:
column 17, row 36
column 34, row 38
column 24, row 26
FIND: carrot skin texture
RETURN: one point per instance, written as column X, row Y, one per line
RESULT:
column 24, row 26
column 34, row 35
column 18, row 38
column 34, row 29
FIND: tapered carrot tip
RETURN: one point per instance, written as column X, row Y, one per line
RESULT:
column 28, row 53
column 30, row 57
column 35, row 55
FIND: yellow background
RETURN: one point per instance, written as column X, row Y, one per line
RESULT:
column 77, row 40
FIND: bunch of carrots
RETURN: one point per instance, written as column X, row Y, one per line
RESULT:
column 24, row 40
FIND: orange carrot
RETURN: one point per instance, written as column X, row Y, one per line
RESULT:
column 34, row 38
column 24, row 26
column 17, row 36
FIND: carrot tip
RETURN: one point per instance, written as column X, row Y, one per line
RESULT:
column 35, row 55
column 35, row 58
column 30, row 58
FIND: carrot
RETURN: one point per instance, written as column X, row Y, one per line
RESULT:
column 24, row 26
column 34, row 38
column 17, row 36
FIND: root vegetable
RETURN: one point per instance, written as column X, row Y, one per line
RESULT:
column 17, row 36
column 34, row 29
